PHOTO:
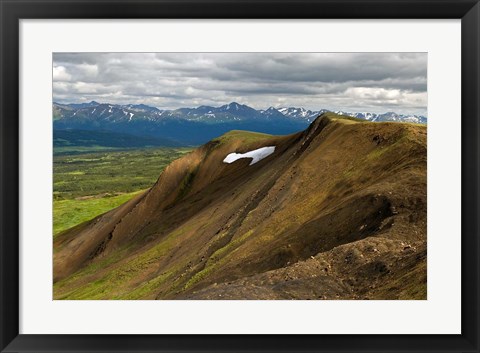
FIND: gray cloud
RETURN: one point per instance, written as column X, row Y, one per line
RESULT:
column 375, row 82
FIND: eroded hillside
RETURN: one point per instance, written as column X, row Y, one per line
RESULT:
column 336, row 212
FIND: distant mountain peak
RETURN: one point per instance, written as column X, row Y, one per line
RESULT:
column 233, row 106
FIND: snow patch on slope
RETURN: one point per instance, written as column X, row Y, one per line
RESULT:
column 256, row 155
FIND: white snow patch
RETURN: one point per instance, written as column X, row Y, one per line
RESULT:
column 131, row 115
column 256, row 155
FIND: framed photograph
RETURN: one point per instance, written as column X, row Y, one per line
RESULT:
column 239, row 176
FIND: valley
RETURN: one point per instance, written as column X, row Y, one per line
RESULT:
column 89, row 182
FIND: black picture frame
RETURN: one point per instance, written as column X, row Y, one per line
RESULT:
column 13, row 10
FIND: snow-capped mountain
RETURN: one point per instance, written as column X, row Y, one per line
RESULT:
column 104, row 112
column 309, row 115
column 301, row 113
column 184, row 125
column 365, row 116
column 225, row 113
column 196, row 125
column 273, row 114
column 389, row 116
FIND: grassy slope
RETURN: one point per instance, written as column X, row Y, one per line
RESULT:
column 113, row 280
column 69, row 213
column 87, row 185
column 243, row 136
column 130, row 272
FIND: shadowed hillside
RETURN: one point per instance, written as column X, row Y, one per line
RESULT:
column 338, row 211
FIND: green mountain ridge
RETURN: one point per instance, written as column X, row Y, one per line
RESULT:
column 338, row 211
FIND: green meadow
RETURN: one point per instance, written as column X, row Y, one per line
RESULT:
column 87, row 184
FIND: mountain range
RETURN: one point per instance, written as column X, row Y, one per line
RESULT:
column 336, row 211
column 193, row 126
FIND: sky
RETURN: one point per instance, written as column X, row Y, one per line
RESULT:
column 351, row 82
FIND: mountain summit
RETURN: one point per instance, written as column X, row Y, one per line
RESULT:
column 337, row 211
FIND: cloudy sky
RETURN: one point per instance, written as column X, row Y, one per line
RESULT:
column 374, row 82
